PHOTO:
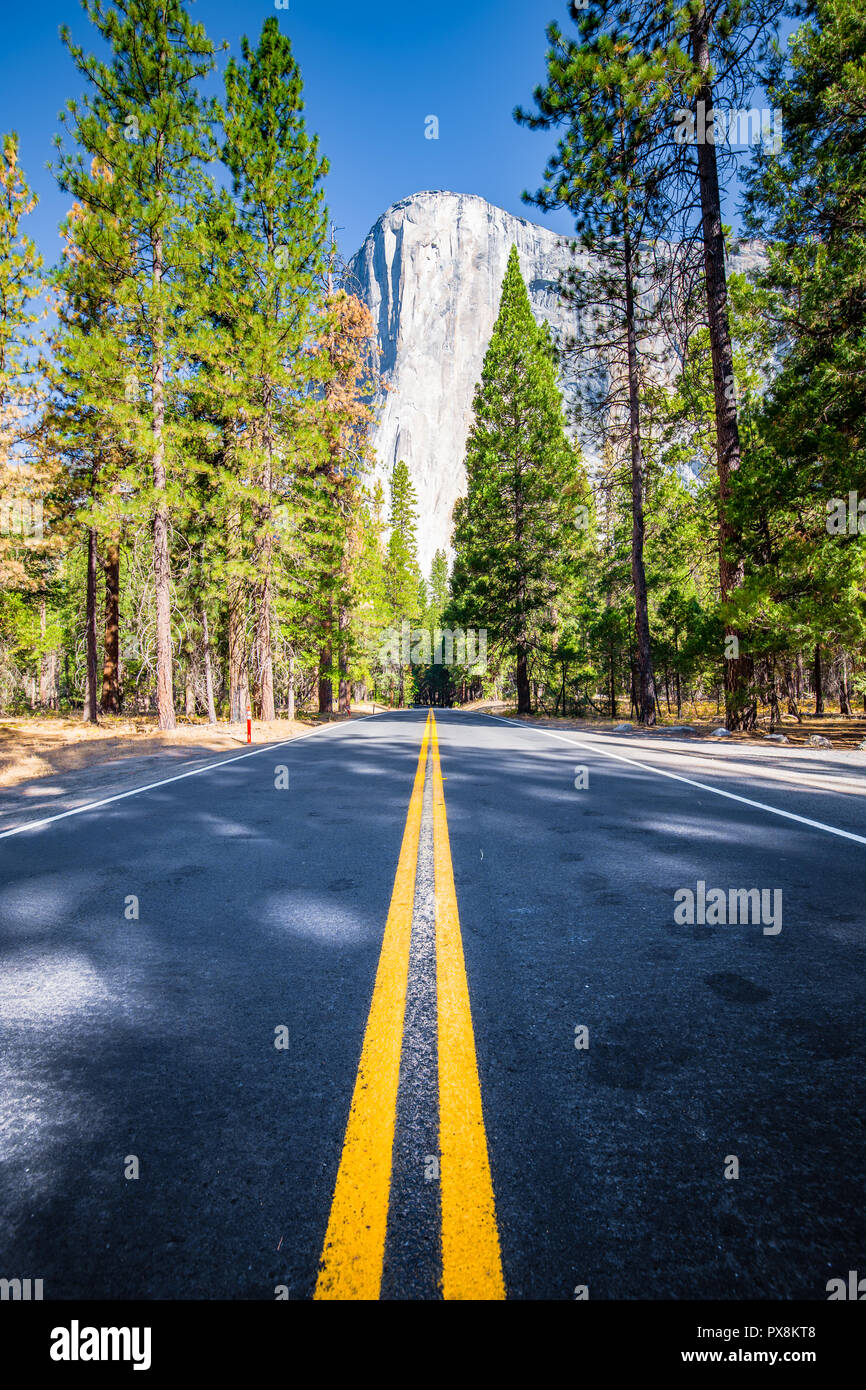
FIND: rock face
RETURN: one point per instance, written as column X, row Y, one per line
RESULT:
column 431, row 272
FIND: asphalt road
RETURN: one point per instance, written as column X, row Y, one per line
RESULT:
column 263, row 908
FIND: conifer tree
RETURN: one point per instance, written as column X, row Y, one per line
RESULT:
column 515, row 536
column 401, row 565
column 809, row 199
column 437, row 590
column 142, row 129
column 276, row 239
column 22, row 477
column 346, row 420
column 609, row 170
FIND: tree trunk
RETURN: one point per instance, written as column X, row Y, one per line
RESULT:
column 844, row 689
column 263, row 660
column 291, row 694
column 238, row 680
column 42, row 655
column 326, row 685
column 524, row 697
column 645, row 687
column 345, row 693
column 740, row 705
column 819, row 681
column 89, row 711
column 161, row 557
column 791, row 689
column 208, row 672
column 53, row 680
column 775, row 712
column 110, row 700
column 263, row 654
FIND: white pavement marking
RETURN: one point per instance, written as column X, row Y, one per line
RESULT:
column 676, row 777
column 196, row 772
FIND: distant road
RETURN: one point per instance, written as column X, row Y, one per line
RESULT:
column 408, row 1008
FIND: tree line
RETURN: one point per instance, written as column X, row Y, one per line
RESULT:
column 718, row 553
column 188, row 516
column 193, row 421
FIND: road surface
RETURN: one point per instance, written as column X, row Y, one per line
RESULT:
column 403, row 1009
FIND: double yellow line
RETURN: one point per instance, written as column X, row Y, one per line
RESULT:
column 354, row 1249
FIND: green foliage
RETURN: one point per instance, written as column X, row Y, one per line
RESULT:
column 516, row 532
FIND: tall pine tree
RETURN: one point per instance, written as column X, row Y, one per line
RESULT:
column 515, row 535
column 143, row 134
column 276, row 247
column 402, row 575
column 609, row 170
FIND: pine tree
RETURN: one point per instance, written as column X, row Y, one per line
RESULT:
column 809, row 200
column 143, row 134
column 371, row 611
column 22, row 480
column 710, row 53
column 32, row 538
column 347, row 419
column 401, row 564
column 437, row 590
column 610, row 170
column 276, row 239
column 515, row 535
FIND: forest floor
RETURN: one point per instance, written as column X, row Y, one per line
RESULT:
column 45, row 745
column 48, row 745
column 842, row 732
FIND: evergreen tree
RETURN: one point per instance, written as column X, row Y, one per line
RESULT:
column 515, row 535
column 401, row 564
column 143, row 134
column 347, row 416
column 437, row 590
column 611, row 170
column 809, row 199
column 30, row 544
column 22, row 477
column 275, row 247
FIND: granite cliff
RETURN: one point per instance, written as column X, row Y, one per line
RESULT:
column 431, row 271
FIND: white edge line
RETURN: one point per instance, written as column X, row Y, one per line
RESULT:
column 676, row 777
column 196, row 772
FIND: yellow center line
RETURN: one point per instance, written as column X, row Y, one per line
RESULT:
column 354, row 1249
column 471, row 1259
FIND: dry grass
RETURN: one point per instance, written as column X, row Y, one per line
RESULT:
column 34, row 746
column 842, row 732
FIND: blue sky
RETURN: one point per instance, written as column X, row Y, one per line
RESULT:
column 372, row 74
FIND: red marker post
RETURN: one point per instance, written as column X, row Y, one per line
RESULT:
column 249, row 723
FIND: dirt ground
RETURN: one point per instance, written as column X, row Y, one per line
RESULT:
column 842, row 732
column 34, row 746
